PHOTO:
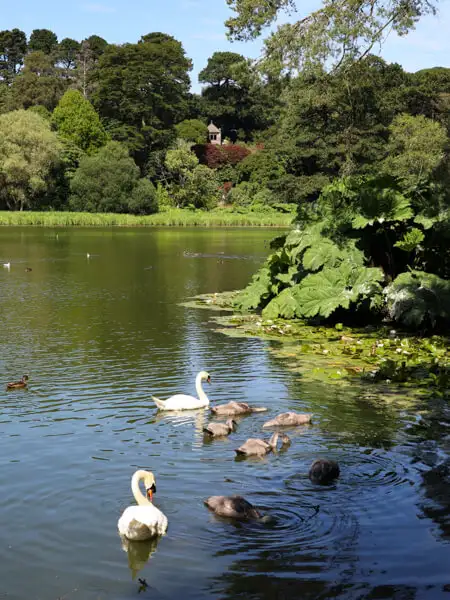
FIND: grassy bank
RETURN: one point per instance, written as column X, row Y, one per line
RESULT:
column 171, row 218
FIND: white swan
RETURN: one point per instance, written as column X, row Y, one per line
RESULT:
column 7, row 265
column 144, row 521
column 185, row 402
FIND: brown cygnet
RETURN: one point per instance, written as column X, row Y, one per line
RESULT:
column 235, row 507
column 258, row 447
column 236, row 408
column 289, row 419
column 220, row 429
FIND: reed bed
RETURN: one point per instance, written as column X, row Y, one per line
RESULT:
column 171, row 218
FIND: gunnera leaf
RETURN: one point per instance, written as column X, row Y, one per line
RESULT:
column 256, row 292
column 284, row 305
column 415, row 297
column 380, row 206
column 410, row 240
column 322, row 293
column 325, row 253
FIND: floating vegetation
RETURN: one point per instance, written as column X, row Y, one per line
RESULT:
column 341, row 354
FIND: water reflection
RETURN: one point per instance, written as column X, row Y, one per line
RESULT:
column 98, row 338
column 139, row 553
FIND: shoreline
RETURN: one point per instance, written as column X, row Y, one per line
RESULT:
column 172, row 218
column 376, row 357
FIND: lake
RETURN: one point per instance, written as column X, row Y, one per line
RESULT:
column 98, row 335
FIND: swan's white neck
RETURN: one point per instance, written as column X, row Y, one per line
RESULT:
column 198, row 386
column 138, row 495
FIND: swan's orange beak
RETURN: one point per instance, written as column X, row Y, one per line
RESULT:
column 151, row 490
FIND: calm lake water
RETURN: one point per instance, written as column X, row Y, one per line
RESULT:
column 98, row 336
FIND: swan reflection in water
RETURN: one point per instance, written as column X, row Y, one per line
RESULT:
column 138, row 553
column 181, row 418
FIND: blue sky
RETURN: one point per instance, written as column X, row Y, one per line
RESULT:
column 198, row 24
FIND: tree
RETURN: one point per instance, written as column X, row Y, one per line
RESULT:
column 43, row 40
column 29, row 153
column 13, row 46
column 220, row 69
column 192, row 130
column 109, row 182
column 97, row 46
column 236, row 98
column 38, row 83
column 67, row 53
column 190, row 184
column 76, row 120
column 335, row 33
column 141, row 90
column 416, row 149
column 86, row 62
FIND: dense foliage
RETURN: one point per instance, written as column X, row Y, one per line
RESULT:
column 358, row 153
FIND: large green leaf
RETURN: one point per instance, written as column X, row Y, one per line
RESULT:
column 322, row 293
column 380, row 206
column 415, row 297
column 255, row 293
column 284, row 305
column 410, row 240
column 327, row 253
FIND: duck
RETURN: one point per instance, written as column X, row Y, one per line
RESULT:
column 28, row 269
column 236, row 408
column 144, row 521
column 184, row 401
column 289, row 419
column 258, row 447
column 15, row 385
column 324, row 470
column 234, row 507
column 220, row 429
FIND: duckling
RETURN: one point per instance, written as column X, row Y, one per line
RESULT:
column 14, row 385
column 235, row 408
column 258, row 447
column 324, row 470
column 220, row 429
column 235, row 507
column 289, row 419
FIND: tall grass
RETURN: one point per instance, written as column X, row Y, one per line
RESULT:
column 171, row 218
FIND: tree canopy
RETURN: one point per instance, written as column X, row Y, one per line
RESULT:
column 335, row 33
column 29, row 154
column 141, row 90
column 76, row 120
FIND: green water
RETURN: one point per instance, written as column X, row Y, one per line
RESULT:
column 98, row 335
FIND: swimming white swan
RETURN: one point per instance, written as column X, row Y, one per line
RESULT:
column 185, row 402
column 7, row 265
column 144, row 521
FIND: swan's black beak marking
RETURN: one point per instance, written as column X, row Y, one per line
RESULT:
column 209, row 379
column 150, row 491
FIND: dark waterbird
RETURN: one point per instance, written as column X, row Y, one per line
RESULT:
column 324, row 470
column 15, row 385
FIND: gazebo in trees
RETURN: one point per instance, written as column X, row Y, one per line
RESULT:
column 214, row 134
